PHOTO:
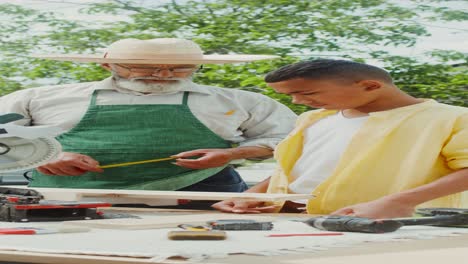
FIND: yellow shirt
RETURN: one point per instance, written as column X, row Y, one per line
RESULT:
column 395, row 150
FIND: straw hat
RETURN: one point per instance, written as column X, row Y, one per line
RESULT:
column 155, row 51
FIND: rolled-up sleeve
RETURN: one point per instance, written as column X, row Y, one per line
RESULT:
column 269, row 122
column 456, row 149
column 17, row 102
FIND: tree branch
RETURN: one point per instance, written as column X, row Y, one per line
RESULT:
column 127, row 6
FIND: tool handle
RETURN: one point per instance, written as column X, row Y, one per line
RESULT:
column 17, row 231
column 196, row 235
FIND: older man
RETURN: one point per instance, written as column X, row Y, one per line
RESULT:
column 150, row 109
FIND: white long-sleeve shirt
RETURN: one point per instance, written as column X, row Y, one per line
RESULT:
column 246, row 118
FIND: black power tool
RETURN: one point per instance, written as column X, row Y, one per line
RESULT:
column 353, row 224
column 452, row 217
column 24, row 205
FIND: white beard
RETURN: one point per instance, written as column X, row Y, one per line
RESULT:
column 137, row 85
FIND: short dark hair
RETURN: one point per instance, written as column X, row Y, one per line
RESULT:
column 328, row 69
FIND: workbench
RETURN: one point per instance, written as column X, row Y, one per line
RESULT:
column 326, row 256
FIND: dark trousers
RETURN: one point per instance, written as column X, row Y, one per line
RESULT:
column 227, row 180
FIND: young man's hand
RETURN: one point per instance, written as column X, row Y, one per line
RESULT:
column 243, row 207
column 378, row 209
column 70, row 164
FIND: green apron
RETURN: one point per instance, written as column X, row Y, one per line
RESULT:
column 123, row 133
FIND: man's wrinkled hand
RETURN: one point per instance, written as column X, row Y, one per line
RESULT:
column 378, row 209
column 70, row 164
column 243, row 207
column 207, row 158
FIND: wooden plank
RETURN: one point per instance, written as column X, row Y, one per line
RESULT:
column 139, row 210
column 50, row 258
column 66, row 194
column 7, row 256
column 434, row 256
column 191, row 211
column 167, row 221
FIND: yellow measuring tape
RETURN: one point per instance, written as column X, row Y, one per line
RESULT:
column 134, row 163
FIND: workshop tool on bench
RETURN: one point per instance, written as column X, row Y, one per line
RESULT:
column 135, row 163
column 440, row 211
column 447, row 217
column 353, row 224
column 458, row 221
column 25, row 205
column 214, row 229
column 455, row 220
column 239, row 225
column 192, row 232
column 196, row 235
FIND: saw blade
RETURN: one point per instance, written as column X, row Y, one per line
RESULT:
column 20, row 154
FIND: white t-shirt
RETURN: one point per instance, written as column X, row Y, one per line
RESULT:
column 324, row 143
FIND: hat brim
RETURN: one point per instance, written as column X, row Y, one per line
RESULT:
column 206, row 59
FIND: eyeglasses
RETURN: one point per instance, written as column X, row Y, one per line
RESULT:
column 155, row 70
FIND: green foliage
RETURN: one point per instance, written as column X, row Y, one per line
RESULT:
column 443, row 82
column 8, row 86
column 293, row 29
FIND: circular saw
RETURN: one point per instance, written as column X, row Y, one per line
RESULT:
column 21, row 153
column 23, row 148
column 27, row 147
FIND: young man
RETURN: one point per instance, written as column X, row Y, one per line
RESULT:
column 149, row 109
column 371, row 151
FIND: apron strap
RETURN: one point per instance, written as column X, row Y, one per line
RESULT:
column 185, row 99
column 93, row 98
